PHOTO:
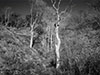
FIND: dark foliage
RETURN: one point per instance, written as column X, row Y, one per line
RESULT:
column 92, row 66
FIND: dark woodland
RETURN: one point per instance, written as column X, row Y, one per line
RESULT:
column 52, row 39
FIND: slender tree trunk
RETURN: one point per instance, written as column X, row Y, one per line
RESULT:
column 32, row 24
column 7, row 16
column 54, row 2
column 32, row 32
column 51, row 36
column 58, row 40
column 48, row 35
column 31, row 40
column 57, row 32
column 57, row 47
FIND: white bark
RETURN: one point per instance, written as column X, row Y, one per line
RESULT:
column 57, row 47
column 57, row 26
column 31, row 40
column 32, row 24
column 51, row 37
column 57, row 32
column 58, row 40
column 32, row 33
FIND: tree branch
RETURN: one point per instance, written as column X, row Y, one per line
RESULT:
column 59, row 3
column 54, row 4
column 68, row 8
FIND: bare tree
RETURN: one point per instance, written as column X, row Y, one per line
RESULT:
column 36, row 11
column 32, row 24
column 7, row 15
column 57, row 45
column 50, row 28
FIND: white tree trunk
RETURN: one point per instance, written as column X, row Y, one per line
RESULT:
column 57, row 47
column 32, row 32
column 31, row 40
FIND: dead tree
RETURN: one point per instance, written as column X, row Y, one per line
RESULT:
column 36, row 13
column 7, row 15
column 32, row 24
column 57, row 45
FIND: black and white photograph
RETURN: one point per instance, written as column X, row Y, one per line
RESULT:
column 49, row 37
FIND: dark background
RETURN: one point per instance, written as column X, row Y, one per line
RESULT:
column 23, row 6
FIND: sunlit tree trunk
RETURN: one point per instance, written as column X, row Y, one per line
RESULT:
column 31, row 39
column 32, row 33
column 58, row 40
column 57, row 45
column 32, row 24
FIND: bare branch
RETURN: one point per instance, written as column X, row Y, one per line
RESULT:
column 55, row 5
column 34, row 23
column 68, row 8
column 64, row 11
column 59, row 3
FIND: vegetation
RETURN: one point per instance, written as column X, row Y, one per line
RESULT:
column 27, row 45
